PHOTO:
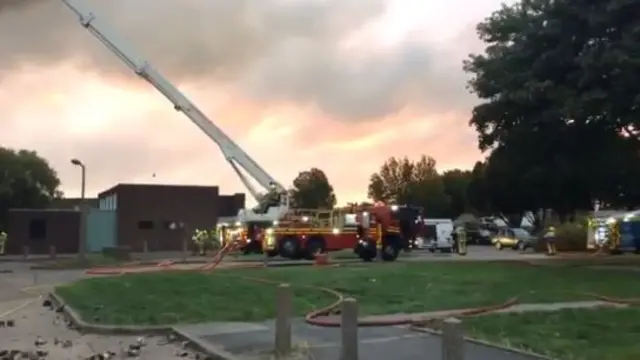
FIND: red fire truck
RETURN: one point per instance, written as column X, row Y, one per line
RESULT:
column 370, row 231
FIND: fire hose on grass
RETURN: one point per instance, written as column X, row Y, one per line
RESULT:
column 321, row 317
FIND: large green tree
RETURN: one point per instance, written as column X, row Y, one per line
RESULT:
column 456, row 183
column 312, row 190
column 559, row 106
column 402, row 181
column 26, row 181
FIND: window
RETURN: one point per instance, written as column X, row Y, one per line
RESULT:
column 37, row 229
column 145, row 225
column 520, row 232
column 109, row 202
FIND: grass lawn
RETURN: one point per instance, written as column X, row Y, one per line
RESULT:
column 605, row 334
column 385, row 288
column 91, row 260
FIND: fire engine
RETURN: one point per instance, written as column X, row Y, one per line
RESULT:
column 273, row 228
column 302, row 233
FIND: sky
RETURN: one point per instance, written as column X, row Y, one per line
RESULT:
column 341, row 85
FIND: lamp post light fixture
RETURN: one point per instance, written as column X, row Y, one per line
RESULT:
column 83, row 170
column 82, row 246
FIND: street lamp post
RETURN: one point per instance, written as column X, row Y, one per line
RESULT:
column 83, row 175
column 82, row 241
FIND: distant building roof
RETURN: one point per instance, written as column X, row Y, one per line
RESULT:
column 71, row 203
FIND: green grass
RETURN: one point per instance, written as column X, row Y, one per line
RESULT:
column 604, row 334
column 91, row 260
column 387, row 288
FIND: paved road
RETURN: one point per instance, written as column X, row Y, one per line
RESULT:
column 475, row 252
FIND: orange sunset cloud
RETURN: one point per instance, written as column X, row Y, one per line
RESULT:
column 336, row 84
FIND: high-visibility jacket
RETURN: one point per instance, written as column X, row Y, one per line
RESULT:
column 550, row 233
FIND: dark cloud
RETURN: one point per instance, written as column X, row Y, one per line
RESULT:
column 272, row 50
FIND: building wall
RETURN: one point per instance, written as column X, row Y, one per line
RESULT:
column 145, row 212
column 39, row 229
column 101, row 230
column 229, row 205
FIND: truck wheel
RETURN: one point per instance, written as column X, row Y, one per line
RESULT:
column 390, row 248
column 367, row 253
column 289, row 247
column 315, row 244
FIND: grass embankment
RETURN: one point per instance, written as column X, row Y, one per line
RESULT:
column 391, row 288
column 603, row 334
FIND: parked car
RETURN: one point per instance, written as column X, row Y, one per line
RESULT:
column 479, row 236
column 515, row 238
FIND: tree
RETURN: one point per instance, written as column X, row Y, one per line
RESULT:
column 476, row 194
column 312, row 190
column 560, row 110
column 456, row 182
column 555, row 63
column 26, row 181
column 402, row 181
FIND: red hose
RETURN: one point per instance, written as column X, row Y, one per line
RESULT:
column 321, row 318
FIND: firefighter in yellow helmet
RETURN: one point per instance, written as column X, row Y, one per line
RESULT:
column 550, row 238
column 461, row 240
column 3, row 242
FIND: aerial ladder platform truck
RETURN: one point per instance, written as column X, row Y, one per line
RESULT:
column 273, row 228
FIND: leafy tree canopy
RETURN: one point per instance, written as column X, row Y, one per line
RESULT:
column 312, row 190
column 26, row 181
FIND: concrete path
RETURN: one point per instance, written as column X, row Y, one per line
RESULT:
column 253, row 340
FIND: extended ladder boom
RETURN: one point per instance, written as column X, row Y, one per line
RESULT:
column 232, row 152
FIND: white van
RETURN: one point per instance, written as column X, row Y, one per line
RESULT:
column 438, row 235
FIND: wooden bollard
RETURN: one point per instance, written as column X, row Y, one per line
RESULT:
column 284, row 312
column 52, row 252
column 349, row 329
column 25, row 251
column 453, row 340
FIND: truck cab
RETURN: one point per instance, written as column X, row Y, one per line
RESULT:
column 387, row 229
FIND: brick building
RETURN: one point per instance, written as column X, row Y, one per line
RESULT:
column 145, row 212
column 124, row 215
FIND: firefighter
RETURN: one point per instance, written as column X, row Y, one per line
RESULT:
column 461, row 240
column 3, row 242
column 199, row 239
column 550, row 238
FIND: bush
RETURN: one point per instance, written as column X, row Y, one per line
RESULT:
column 569, row 237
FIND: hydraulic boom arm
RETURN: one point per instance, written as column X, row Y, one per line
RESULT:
column 232, row 152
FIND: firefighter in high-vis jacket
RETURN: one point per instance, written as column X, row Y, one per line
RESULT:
column 461, row 240
column 3, row 242
column 199, row 238
column 550, row 238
